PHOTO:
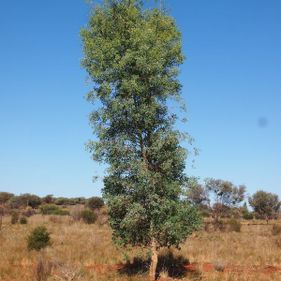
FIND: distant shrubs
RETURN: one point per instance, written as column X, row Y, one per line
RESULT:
column 234, row 225
column 14, row 217
column 28, row 212
column 276, row 229
column 38, row 239
column 23, row 220
column 94, row 203
column 52, row 209
column 88, row 216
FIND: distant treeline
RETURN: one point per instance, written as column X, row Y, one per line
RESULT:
column 215, row 198
column 33, row 201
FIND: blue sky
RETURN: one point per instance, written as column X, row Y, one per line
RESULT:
column 231, row 84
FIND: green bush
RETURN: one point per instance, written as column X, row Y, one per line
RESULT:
column 88, row 216
column 52, row 209
column 234, row 225
column 14, row 217
column 94, row 203
column 276, row 229
column 23, row 220
column 38, row 239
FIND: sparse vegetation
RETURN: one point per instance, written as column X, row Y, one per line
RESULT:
column 86, row 252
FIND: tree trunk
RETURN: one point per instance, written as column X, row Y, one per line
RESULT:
column 154, row 261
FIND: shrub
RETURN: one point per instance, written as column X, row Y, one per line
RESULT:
column 94, row 203
column 276, row 229
column 52, row 209
column 219, row 225
column 23, row 220
column 14, row 217
column 28, row 212
column 234, row 225
column 88, row 216
column 38, row 239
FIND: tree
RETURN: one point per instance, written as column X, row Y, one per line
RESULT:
column 132, row 57
column 196, row 193
column 5, row 197
column 25, row 200
column 266, row 205
column 226, row 195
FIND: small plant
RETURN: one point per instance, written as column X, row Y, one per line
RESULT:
column 276, row 229
column 88, row 216
column 23, row 220
column 14, row 217
column 38, row 239
column 234, row 225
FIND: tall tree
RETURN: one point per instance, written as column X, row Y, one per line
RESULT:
column 225, row 195
column 266, row 205
column 132, row 56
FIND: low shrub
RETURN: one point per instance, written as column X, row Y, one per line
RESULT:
column 28, row 212
column 219, row 225
column 14, row 217
column 234, row 225
column 23, row 220
column 52, row 209
column 276, row 229
column 88, row 216
column 94, row 203
column 38, row 239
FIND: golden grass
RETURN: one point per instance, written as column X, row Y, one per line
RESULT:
column 80, row 252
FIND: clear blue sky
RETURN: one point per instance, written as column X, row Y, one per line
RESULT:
column 231, row 84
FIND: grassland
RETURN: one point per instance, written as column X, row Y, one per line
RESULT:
column 85, row 252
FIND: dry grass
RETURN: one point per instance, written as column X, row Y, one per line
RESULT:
column 80, row 252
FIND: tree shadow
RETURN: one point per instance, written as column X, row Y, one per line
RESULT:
column 175, row 266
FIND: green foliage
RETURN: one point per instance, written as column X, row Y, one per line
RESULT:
column 38, row 239
column 94, row 203
column 14, row 217
column 133, row 58
column 52, row 209
column 234, row 225
column 23, row 220
column 276, row 229
column 196, row 193
column 88, row 216
column 266, row 205
column 246, row 214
